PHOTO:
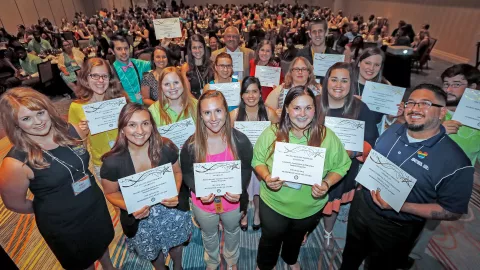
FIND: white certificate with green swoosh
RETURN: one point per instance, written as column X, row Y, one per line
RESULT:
column 148, row 188
column 350, row 132
column 323, row 61
column 218, row 178
column 103, row 116
column 298, row 163
column 380, row 174
column 382, row 98
column 178, row 132
column 468, row 110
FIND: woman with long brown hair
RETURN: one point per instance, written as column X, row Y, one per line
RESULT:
column 300, row 73
column 96, row 82
column 49, row 159
column 289, row 210
column 175, row 102
column 216, row 141
column 156, row 231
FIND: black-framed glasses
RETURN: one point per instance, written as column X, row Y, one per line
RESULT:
column 453, row 85
column 97, row 77
column 224, row 67
column 425, row 104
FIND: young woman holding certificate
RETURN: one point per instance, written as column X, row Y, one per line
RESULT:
column 156, row 231
column 252, row 108
column 96, row 82
column 264, row 57
column 175, row 102
column 369, row 67
column 49, row 158
column 223, row 67
column 289, row 210
column 300, row 73
column 216, row 141
column 337, row 100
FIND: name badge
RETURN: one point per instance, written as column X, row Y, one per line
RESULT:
column 138, row 96
column 218, row 205
column 292, row 185
column 111, row 143
column 81, row 185
column 74, row 64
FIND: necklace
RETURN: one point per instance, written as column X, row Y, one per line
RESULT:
column 200, row 78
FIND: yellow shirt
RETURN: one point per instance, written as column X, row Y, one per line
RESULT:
column 155, row 110
column 98, row 144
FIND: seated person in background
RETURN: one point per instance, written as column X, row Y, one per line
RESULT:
column 401, row 24
column 353, row 32
column 291, row 52
column 28, row 75
column 38, row 45
column 354, row 49
column 402, row 39
column 422, row 46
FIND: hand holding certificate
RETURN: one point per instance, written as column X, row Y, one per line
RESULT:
column 252, row 129
column 103, row 116
column 237, row 58
column 322, row 62
column 268, row 76
column 468, row 110
column 148, row 187
column 178, row 132
column 350, row 132
column 167, row 28
column 380, row 174
column 382, row 98
column 231, row 91
column 218, row 178
column 298, row 163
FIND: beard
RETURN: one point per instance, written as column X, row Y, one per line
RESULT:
column 415, row 128
column 429, row 123
column 452, row 102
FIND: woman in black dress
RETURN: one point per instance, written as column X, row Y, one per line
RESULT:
column 49, row 158
column 338, row 100
column 197, row 69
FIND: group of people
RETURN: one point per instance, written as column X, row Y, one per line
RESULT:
column 51, row 156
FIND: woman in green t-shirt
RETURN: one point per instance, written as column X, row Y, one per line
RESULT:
column 289, row 210
column 175, row 102
column 96, row 82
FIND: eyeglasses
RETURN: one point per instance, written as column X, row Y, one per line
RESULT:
column 97, row 77
column 299, row 70
column 453, row 85
column 225, row 66
column 421, row 104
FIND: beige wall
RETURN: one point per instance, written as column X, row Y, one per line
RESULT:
column 455, row 23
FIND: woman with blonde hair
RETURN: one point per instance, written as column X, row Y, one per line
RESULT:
column 49, row 159
column 216, row 141
column 175, row 102
column 299, row 73
column 96, row 82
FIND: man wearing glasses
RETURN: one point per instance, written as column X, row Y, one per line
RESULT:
column 231, row 37
column 455, row 80
column 444, row 174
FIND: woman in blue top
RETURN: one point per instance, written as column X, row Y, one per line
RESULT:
column 223, row 68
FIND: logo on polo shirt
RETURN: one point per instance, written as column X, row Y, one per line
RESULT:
column 422, row 155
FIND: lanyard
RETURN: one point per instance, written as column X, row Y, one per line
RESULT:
column 408, row 157
column 65, row 164
column 200, row 78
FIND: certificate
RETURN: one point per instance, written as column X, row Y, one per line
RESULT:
column 298, row 163
column 382, row 98
column 379, row 173
column 218, row 178
column 148, row 187
column 103, row 116
column 167, row 28
column 322, row 62
column 350, row 132
column 231, row 91
column 468, row 110
column 178, row 132
column 237, row 58
column 268, row 76
column 252, row 129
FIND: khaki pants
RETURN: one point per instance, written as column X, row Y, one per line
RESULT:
column 211, row 242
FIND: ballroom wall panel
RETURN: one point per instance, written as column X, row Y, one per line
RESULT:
column 455, row 23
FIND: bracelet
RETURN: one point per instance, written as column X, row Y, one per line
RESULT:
column 328, row 185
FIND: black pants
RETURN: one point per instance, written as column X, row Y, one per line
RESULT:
column 5, row 262
column 385, row 242
column 280, row 232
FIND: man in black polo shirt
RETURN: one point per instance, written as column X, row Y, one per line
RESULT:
column 444, row 185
